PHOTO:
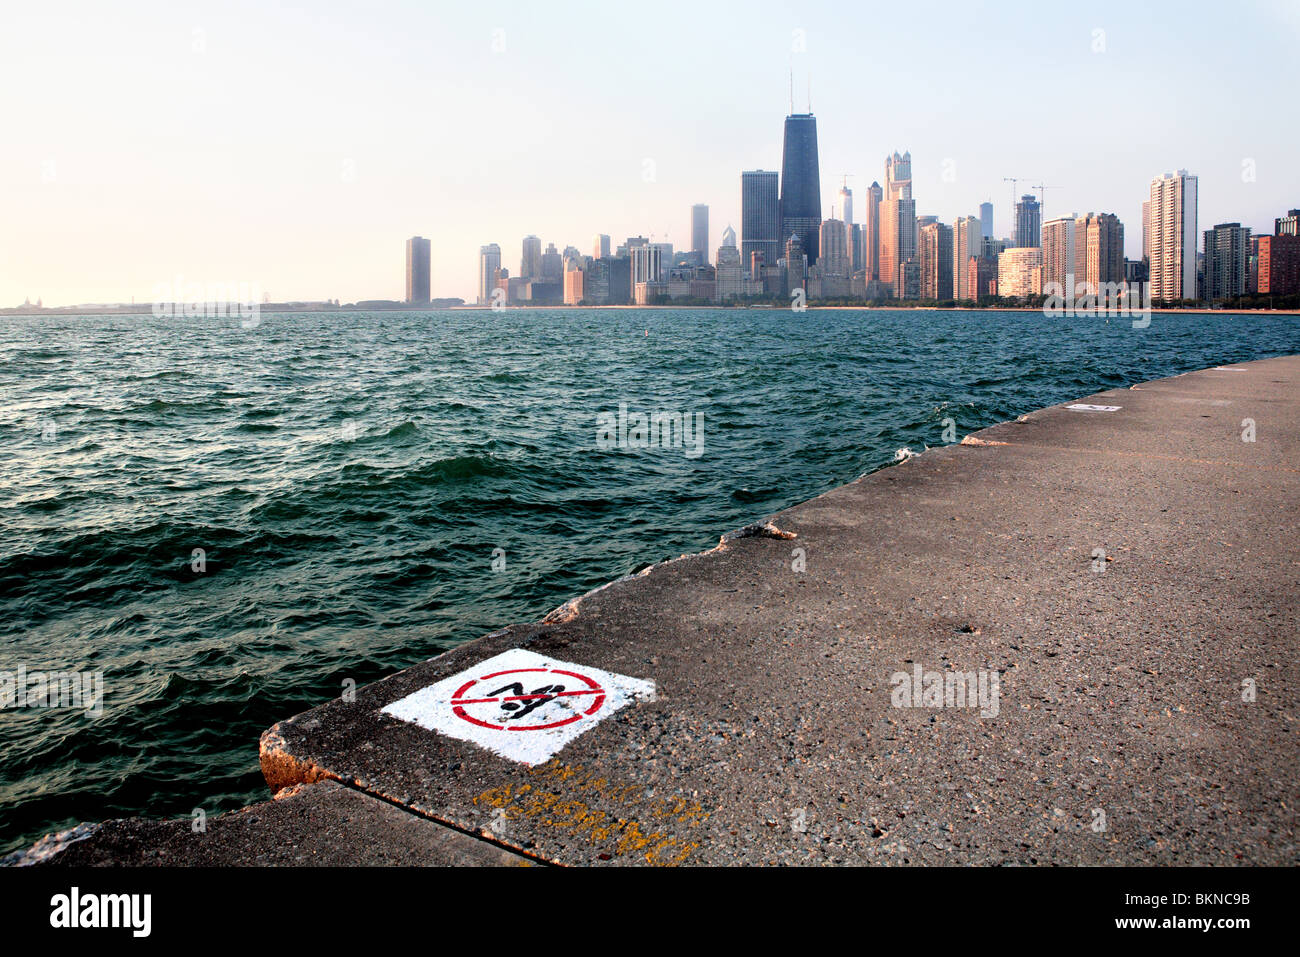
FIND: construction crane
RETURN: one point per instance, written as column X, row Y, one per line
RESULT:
column 1042, row 202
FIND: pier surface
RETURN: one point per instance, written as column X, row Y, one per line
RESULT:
column 1126, row 579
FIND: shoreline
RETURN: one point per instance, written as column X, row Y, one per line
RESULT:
column 812, row 307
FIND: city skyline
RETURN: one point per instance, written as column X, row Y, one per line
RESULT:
column 217, row 175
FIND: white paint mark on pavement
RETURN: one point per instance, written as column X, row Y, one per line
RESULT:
column 1084, row 407
column 520, row 705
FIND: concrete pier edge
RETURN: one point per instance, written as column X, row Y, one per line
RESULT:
column 773, row 734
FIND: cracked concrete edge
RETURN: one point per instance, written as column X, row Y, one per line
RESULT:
column 283, row 772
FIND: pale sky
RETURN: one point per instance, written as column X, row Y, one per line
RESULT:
column 295, row 148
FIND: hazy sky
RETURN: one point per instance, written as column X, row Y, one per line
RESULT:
column 295, row 148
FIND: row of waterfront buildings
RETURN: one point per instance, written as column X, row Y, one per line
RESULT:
column 893, row 254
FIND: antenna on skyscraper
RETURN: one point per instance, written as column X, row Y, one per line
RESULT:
column 792, row 88
column 810, row 94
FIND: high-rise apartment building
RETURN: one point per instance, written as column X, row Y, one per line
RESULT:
column 760, row 217
column 1278, row 266
column 833, row 242
column 1098, row 251
column 1227, row 261
column 700, row 233
column 871, row 233
column 986, row 220
column 1146, row 230
column 1288, row 225
column 1020, row 272
column 935, row 256
column 1028, row 220
column 801, row 201
column 489, row 270
column 1058, row 253
column 530, row 262
column 418, row 269
column 966, row 235
column 1173, row 236
column 846, row 204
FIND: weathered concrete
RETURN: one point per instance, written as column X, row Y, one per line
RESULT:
column 317, row 825
column 773, row 737
column 1123, row 732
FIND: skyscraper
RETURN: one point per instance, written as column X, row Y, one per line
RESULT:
column 986, row 220
column 1098, row 250
column 530, row 264
column 489, row 266
column 1028, row 221
column 833, row 239
column 846, row 203
column 1020, row 272
column 897, row 220
column 647, row 264
column 935, row 254
column 700, row 233
column 730, row 276
column 796, row 263
column 1226, row 249
column 600, row 248
column 1058, row 254
column 801, row 201
column 417, row 269
column 966, row 242
column 1173, row 236
column 552, row 264
column 871, row 233
column 1288, row 225
column 760, row 217
column 1146, row 230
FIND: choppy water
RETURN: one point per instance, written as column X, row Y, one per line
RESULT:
column 349, row 477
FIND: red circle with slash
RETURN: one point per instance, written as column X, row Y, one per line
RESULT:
column 526, row 678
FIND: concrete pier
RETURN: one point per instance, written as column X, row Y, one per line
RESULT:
column 1068, row 639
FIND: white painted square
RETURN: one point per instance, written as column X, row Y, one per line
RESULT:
column 1084, row 407
column 520, row 705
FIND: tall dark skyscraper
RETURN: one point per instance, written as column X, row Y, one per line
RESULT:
column 700, row 233
column 801, row 197
column 417, row 269
column 760, row 217
column 1028, row 221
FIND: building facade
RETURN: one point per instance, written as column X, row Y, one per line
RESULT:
column 1028, row 222
column 700, row 233
column 801, row 201
column 760, row 216
column 530, row 259
column 489, row 270
column 1020, row 272
column 936, row 257
column 418, row 270
column 966, row 235
column 1227, row 261
column 1098, row 251
column 1058, row 253
column 1173, row 236
column 1278, row 266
